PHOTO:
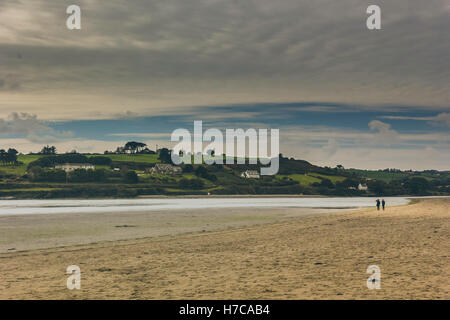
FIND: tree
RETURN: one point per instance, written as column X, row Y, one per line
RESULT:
column 201, row 172
column 99, row 160
column 165, row 155
column 48, row 150
column 52, row 160
column 348, row 183
column 326, row 183
column 134, row 147
column 13, row 151
column 417, row 185
column 378, row 187
column 82, row 175
column 46, row 175
column 191, row 183
column 8, row 158
column 120, row 150
column 130, row 177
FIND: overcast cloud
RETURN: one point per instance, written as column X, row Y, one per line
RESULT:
column 148, row 58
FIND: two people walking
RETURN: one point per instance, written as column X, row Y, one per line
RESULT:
column 383, row 203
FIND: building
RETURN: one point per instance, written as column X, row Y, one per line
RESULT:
column 163, row 168
column 250, row 174
column 69, row 167
column 362, row 187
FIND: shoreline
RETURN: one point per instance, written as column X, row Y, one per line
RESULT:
column 44, row 207
column 218, row 196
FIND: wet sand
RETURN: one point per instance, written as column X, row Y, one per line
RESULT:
column 292, row 256
column 28, row 232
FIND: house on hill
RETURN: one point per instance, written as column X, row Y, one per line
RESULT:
column 362, row 187
column 69, row 167
column 163, row 168
column 250, row 174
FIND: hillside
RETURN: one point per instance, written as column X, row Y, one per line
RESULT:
column 127, row 175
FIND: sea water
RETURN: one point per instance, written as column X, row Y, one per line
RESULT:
column 16, row 207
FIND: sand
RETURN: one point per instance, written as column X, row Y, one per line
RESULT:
column 304, row 256
column 28, row 232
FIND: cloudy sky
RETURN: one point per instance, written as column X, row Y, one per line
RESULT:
column 338, row 92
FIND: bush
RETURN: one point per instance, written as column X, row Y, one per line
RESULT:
column 51, row 161
column 417, row 186
column 191, row 183
column 130, row 177
column 203, row 173
column 100, row 161
column 81, row 175
column 45, row 175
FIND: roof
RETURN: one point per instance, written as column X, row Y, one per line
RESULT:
column 164, row 165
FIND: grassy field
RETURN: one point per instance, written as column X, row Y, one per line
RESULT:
column 311, row 178
column 389, row 176
column 29, row 189
column 27, row 158
column 379, row 175
column 24, row 160
column 146, row 158
column 333, row 179
column 20, row 169
column 301, row 178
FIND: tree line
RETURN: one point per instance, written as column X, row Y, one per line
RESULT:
column 51, row 161
column 8, row 157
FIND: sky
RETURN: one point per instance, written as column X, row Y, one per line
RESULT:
column 137, row 70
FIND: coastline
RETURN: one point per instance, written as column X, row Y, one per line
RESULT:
column 222, row 196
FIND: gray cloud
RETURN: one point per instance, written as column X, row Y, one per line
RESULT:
column 9, row 83
column 440, row 119
column 199, row 52
column 384, row 133
column 32, row 128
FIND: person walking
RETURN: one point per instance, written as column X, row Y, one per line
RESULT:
column 378, row 204
column 383, row 203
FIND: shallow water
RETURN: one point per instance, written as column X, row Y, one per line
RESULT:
column 20, row 207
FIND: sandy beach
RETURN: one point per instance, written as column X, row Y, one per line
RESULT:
column 286, row 253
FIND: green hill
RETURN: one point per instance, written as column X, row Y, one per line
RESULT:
column 127, row 175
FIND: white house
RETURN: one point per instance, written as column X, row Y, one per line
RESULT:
column 362, row 187
column 163, row 168
column 250, row 174
column 68, row 167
